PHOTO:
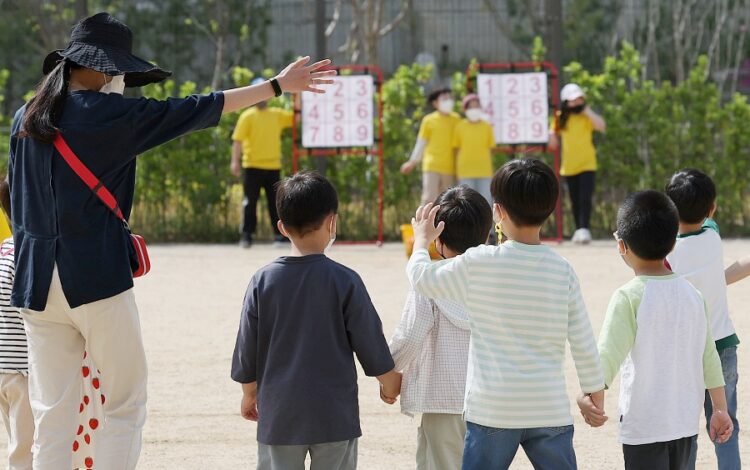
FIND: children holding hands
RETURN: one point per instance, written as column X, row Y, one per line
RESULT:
column 303, row 319
column 524, row 303
column 657, row 333
column 431, row 343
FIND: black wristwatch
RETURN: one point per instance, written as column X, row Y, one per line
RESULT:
column 276, row 87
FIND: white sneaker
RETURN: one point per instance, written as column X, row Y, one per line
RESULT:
column 576, row 238
column 585, row 236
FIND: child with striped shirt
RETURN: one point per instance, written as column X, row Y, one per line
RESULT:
column 524, row 303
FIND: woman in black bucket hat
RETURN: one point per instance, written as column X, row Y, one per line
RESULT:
column 74, row 258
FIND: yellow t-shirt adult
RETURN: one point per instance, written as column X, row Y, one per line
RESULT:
column 437, row 129
column 474, row 141
column 578, row 152
column 260, row 130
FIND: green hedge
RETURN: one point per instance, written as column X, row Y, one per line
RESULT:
column 185, row 191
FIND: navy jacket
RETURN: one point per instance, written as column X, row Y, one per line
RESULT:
column 58, row 220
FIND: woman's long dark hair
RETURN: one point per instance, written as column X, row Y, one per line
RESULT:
column 564, row 114
column 44, row 110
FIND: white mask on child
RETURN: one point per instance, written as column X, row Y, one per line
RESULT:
column 332, row 234
column 115, row 85
column 446, row 106
column 474, row 114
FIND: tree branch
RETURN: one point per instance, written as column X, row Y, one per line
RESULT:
column 405, row 6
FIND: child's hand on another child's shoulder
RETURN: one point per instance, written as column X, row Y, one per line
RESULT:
column 592, row 408
column 425, row 231
column 721, row 427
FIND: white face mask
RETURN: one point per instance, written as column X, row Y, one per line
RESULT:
column 446, row 106
column 332, row 234
column 474, row 114
column 115, row 85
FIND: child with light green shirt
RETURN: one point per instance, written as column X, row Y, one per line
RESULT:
column 656, row 332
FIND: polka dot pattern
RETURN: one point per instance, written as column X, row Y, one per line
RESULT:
column 91, row 412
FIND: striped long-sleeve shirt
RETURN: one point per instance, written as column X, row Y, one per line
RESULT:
column 524, row 303
column 13, row 354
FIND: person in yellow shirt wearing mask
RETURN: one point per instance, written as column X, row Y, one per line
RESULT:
column 574, row 127
column 434, row 147
column 473, row 141
column 256, row 156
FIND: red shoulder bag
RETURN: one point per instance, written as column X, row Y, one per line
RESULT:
column 95, row 185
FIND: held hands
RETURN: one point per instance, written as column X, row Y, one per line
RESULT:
column 390, row 387
column 721, row 427
column 249, row 407
column 425, row 231
column 592, row 408
column 298, row 76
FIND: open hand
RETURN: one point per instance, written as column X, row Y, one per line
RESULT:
column 298, row 76
column 423, row 222
column 592, row 414
column 721, row 427
column 249, row 407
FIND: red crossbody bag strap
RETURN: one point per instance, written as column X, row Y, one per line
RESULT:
column 87, row 177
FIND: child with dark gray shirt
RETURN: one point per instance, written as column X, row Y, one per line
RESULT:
column 303, row 318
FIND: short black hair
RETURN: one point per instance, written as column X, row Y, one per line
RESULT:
column 467, row 216
column 304, row 200
column 694, row 194
column 648, row 224
column 527, row 189
column 435, row 93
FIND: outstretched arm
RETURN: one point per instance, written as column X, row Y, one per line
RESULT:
column 295, row 78
column 738, row 271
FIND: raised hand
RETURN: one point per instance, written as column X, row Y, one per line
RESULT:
column 298, row 76
column 423, row 222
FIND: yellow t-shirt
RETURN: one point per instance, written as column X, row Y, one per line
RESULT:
column 259, row 130
column 437, row 130
column 578, row 152
column 4, row 227
column 474, row 141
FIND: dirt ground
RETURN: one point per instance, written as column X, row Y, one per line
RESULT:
column 190, row 306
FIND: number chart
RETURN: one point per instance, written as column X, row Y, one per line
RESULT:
column 517, row 106
column 342, row 117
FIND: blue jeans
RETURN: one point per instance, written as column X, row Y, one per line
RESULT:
column 493, row 448
column 728, row 453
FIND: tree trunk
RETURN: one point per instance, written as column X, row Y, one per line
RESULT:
column 554, row 31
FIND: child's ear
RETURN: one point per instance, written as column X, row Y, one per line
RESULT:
column 282, row 229
column 712, row 212
column 622, row 247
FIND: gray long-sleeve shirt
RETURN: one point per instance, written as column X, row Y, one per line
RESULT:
column 302, row 319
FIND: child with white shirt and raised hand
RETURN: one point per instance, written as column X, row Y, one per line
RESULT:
column 657, row 329
column 698, row 255
column 524, row 303
column 431, row 343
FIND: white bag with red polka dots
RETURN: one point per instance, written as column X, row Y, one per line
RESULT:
column 91, row 414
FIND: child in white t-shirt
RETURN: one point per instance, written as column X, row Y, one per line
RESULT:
column 699, row 257
column 657, row 329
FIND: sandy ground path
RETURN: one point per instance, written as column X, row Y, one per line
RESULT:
column 190, row 309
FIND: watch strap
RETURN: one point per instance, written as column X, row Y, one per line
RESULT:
column 276, row 87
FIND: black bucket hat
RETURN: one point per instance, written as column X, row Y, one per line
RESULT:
column 104, row 44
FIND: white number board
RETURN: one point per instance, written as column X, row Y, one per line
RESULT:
column 342, row 117
column 517, row 106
